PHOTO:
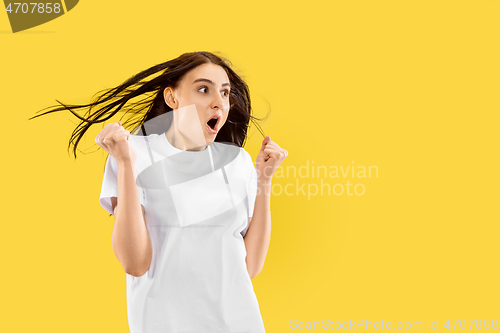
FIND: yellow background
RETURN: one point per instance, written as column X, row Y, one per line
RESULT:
column 411, row 87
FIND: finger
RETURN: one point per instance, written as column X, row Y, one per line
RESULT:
column 271, row 152
column 114, row 128
column 275, row 153
column 109, row 128
column 274, row 145
column 271, row 149
column 118, row 134
column 104, row 145
column 265, row 142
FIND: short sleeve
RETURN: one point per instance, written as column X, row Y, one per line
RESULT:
column 251, row 186
column 109, row 186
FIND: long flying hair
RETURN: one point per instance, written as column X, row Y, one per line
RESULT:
column 152, row 103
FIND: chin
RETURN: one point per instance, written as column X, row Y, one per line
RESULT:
column 209, row 138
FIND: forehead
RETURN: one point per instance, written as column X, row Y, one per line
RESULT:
column 207, row 71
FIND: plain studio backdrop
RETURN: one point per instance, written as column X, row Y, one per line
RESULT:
column 403, row 93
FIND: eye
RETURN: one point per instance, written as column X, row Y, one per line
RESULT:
column 226, row 91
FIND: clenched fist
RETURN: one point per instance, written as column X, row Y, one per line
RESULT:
column 270, row 157
column 114, row 139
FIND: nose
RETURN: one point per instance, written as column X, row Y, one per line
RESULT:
column 219, row 102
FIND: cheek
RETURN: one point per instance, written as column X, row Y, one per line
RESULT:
column 200, row 104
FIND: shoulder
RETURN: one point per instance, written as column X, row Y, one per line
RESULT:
column 135, row 137
column 140, row 141
column 245, row 154
column 247, row 159
column 230, row 153
column 233, row 148
column 146, row 149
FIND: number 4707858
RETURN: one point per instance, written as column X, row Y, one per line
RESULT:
column 480, row 323
column 41, row 8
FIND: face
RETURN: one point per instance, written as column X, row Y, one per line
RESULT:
column 203, row 91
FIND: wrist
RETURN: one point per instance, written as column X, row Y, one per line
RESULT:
column 264, row 182
column 124, row 161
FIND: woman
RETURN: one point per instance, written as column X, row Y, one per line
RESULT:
column 192, row 222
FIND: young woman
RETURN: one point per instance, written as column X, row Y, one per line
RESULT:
column 192, row 212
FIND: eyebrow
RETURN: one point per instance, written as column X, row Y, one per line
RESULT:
column 210, row 82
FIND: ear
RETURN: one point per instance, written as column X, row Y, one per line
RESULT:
column 168, row 97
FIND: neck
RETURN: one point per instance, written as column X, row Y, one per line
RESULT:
column 180, row 141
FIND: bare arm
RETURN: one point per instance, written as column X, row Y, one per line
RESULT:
column 258, row 235
column 130, row 238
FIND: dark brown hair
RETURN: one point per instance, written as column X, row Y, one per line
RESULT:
column 170, row 75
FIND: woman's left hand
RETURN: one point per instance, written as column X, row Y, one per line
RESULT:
column 269, row 159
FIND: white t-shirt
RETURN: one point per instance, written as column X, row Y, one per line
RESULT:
column 197, row 205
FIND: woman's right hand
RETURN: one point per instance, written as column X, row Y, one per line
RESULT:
column 114, row 139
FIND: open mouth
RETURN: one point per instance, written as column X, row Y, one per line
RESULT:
column 213, row 123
